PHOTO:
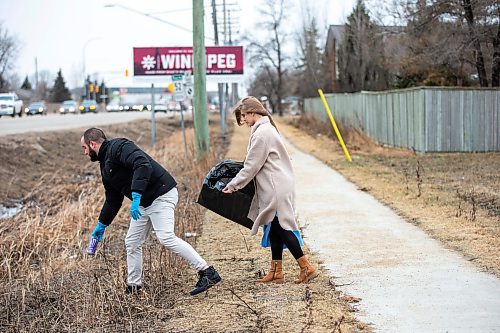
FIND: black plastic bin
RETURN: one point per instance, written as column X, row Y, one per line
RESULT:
column 234, row 206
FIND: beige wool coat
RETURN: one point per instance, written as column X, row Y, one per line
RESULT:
column 268, row 162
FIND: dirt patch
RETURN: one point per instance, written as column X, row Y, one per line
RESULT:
column 453, row 197
column 241, row 305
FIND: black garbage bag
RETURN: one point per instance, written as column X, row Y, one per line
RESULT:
column 234, row 206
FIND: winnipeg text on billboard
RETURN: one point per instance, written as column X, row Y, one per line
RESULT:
column 220, row 60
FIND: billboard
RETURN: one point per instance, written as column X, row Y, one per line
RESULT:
column 220, row 60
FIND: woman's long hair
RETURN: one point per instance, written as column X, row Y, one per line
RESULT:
column 251, row 104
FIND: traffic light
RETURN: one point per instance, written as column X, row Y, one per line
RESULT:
column 91, row 87
column 96, row 88
column 126, row 72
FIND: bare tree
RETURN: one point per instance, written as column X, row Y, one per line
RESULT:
column 43, row 89
column 454, row 37
column 260, row 85
column 8, row 51
column 268, row 56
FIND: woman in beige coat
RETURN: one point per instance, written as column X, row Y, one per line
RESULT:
column 268, row 162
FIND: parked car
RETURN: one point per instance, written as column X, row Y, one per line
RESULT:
column 10, row 105
column 36, row 108
column 127, row 107
column 89, row 105
column 68, row 107
column 161, row 107
column 139, row 107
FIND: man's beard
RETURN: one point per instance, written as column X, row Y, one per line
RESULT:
column 93, row 155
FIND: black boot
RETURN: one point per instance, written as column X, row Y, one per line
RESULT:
column 132, row 289
column 207, row 278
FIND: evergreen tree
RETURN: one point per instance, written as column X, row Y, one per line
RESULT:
column 361, row 54
column 59, row 92
column 26, row 84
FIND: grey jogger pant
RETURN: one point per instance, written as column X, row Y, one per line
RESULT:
column 159, row 217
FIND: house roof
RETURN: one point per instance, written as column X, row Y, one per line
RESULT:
column 335, row 34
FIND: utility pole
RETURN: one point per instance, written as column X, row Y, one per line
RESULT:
column 234, row 88
column 36, row 73
column 220, row 86
column 199, row 70
column 226, row 100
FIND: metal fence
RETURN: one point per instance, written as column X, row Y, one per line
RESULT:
column 428, row 119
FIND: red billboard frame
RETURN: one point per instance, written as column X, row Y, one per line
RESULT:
column 154, row 61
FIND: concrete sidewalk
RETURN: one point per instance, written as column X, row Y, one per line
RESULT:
column 408, row 282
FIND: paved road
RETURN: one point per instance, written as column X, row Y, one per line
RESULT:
column 54, row 122
column 408, row 282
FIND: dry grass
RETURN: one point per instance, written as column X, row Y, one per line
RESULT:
column 49, row 284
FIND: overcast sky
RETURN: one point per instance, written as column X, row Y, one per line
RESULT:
column 68, row 33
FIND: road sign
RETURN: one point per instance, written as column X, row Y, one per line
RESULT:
column 177, row 77
column 189, row 90
column 180, row 93
column 179, row 97
column 178, row 86
column 187, row 77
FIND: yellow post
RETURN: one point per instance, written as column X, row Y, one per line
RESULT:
column 334, row 125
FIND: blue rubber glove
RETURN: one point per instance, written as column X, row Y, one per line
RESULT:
column 134, row 207
column 99, row 231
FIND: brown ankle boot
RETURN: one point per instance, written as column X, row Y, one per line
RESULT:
column 307, row 271
column 275, row 273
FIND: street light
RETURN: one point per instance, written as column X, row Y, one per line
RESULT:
column 148, row 15
column 151, row 16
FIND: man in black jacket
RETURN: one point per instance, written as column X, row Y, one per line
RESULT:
column 127, row 171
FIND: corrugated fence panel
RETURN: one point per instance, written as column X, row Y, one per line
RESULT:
column 479, row 118
column 428, row 119
column 395, row 122
column 430, row 123
column 403, row 117
column 409, row 120
column 390, row 119
column 489, row 138
column 496, row 122
column 467, row 114
column 457, row 122
column 420, row 120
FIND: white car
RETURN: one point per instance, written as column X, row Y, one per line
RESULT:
column 69, row 107
column 10, row 105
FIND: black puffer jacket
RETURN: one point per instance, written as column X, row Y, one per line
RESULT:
column 125, row 168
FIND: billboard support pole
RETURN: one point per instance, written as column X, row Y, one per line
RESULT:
column 184, row 131
column 153, row 120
